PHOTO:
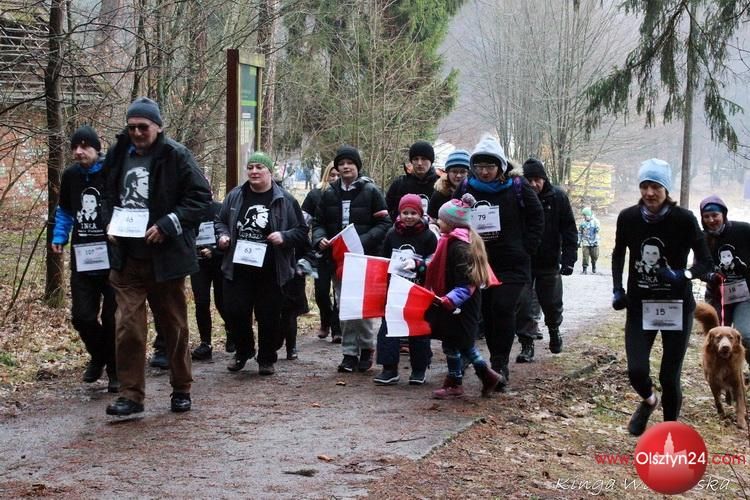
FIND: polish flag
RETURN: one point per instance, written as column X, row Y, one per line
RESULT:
column 405, row 307
column 363, row 287
column 346, row 241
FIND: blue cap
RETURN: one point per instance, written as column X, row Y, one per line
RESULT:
column 458, row 159
column 657, row 171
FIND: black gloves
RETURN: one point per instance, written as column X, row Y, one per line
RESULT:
column 619, row 299
column 566, row 270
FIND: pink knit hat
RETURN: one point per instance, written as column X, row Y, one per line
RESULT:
column 411, row 201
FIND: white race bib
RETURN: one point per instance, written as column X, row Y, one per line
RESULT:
column 736, row 292
column 345, row 206
column 485, row 218
column 662, row 314
column 398, row 259
column 128, row 222
column 206, row 234
column 91, row 256
column 249, row 253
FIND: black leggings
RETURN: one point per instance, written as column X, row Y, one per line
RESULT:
column 200, row 282
column 638, row 344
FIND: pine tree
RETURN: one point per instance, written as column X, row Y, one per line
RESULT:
column 682, row 50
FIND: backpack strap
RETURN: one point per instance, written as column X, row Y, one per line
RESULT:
column 518, row 189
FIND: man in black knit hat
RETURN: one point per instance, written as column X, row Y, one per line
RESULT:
column 419, row 178
column 556, row 256
column 80, row 210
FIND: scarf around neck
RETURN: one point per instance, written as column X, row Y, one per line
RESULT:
column 436, row 270
column 405, row 230
column 489, row 187
column 652, row 218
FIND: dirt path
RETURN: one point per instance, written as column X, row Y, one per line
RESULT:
column 307, row 432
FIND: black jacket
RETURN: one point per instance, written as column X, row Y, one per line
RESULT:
column 410, row 184
column 367, row 202
column 522, row 224
column 560, row 231
column 286, row 217
column 178, row 190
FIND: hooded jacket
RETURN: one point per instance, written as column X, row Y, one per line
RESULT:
column 286, row 217
column 410, row 184
column 366, row 202
column 179, row 195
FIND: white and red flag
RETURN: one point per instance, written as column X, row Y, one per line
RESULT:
column 405, row 307
column 363, row 287
column 346, row 241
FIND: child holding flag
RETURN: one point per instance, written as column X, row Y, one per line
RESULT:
column 408, row 243
column 458, row 268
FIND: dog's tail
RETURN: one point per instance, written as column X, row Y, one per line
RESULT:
column 706, row 316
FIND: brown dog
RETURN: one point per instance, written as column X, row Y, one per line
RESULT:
column 723, row 358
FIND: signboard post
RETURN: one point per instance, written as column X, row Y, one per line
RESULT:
column 244, row 87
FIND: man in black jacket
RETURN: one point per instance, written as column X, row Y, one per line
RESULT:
column 79, row 211
column 556, row 256
column 352, row 199
column 155, row 198
column 418, row 179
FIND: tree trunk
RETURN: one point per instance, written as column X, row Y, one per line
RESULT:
column 53, row 292
column 266, row 36
column 687, row 132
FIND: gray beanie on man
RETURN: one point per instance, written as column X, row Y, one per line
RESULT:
column 143, row 107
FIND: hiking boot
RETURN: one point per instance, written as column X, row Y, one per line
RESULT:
column 417, row 377
column 113, row 385
column 323, row 332
column 230, row 346
column 389, row 376
column 237, row 363
column 122, row 407
column 640, row 417
column 180, row 402
column 451, row 389
column 335, row 339
column 555, row 342
column 93, row 372
column 584, row 270
column 527, row 353
column 266, row 369
column 593, row 268
column 159, row 360
column 291, row 354
column 490, row 379
column 502, row 383
column 365, row 360
column 348, row 364
column 203, row 352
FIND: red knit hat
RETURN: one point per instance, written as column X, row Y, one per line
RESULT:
column 411, row 201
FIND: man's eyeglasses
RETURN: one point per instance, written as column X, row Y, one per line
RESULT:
column 141, row 127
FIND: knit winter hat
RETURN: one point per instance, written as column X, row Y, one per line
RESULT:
column 262, row 158
column 411, row 201
column 714, row 204
column 587, row 212
column 458, row 159
column 347, row 152
column 534, row 168
column 457, row 213
column 657, row 171
column 422, row 148
column 489, row 150
column 143, row 107
column 85, row 136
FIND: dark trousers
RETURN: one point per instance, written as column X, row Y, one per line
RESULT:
column 253, row 293
column 91, row 295
column 388, row 349
column 200, row 282
column 545, row 294
column 329, row 310
column 294, row 304
column 638, row 344
column 132, row 285
column 499, row 309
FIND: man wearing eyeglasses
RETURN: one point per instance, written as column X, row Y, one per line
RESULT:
column 155, row 197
